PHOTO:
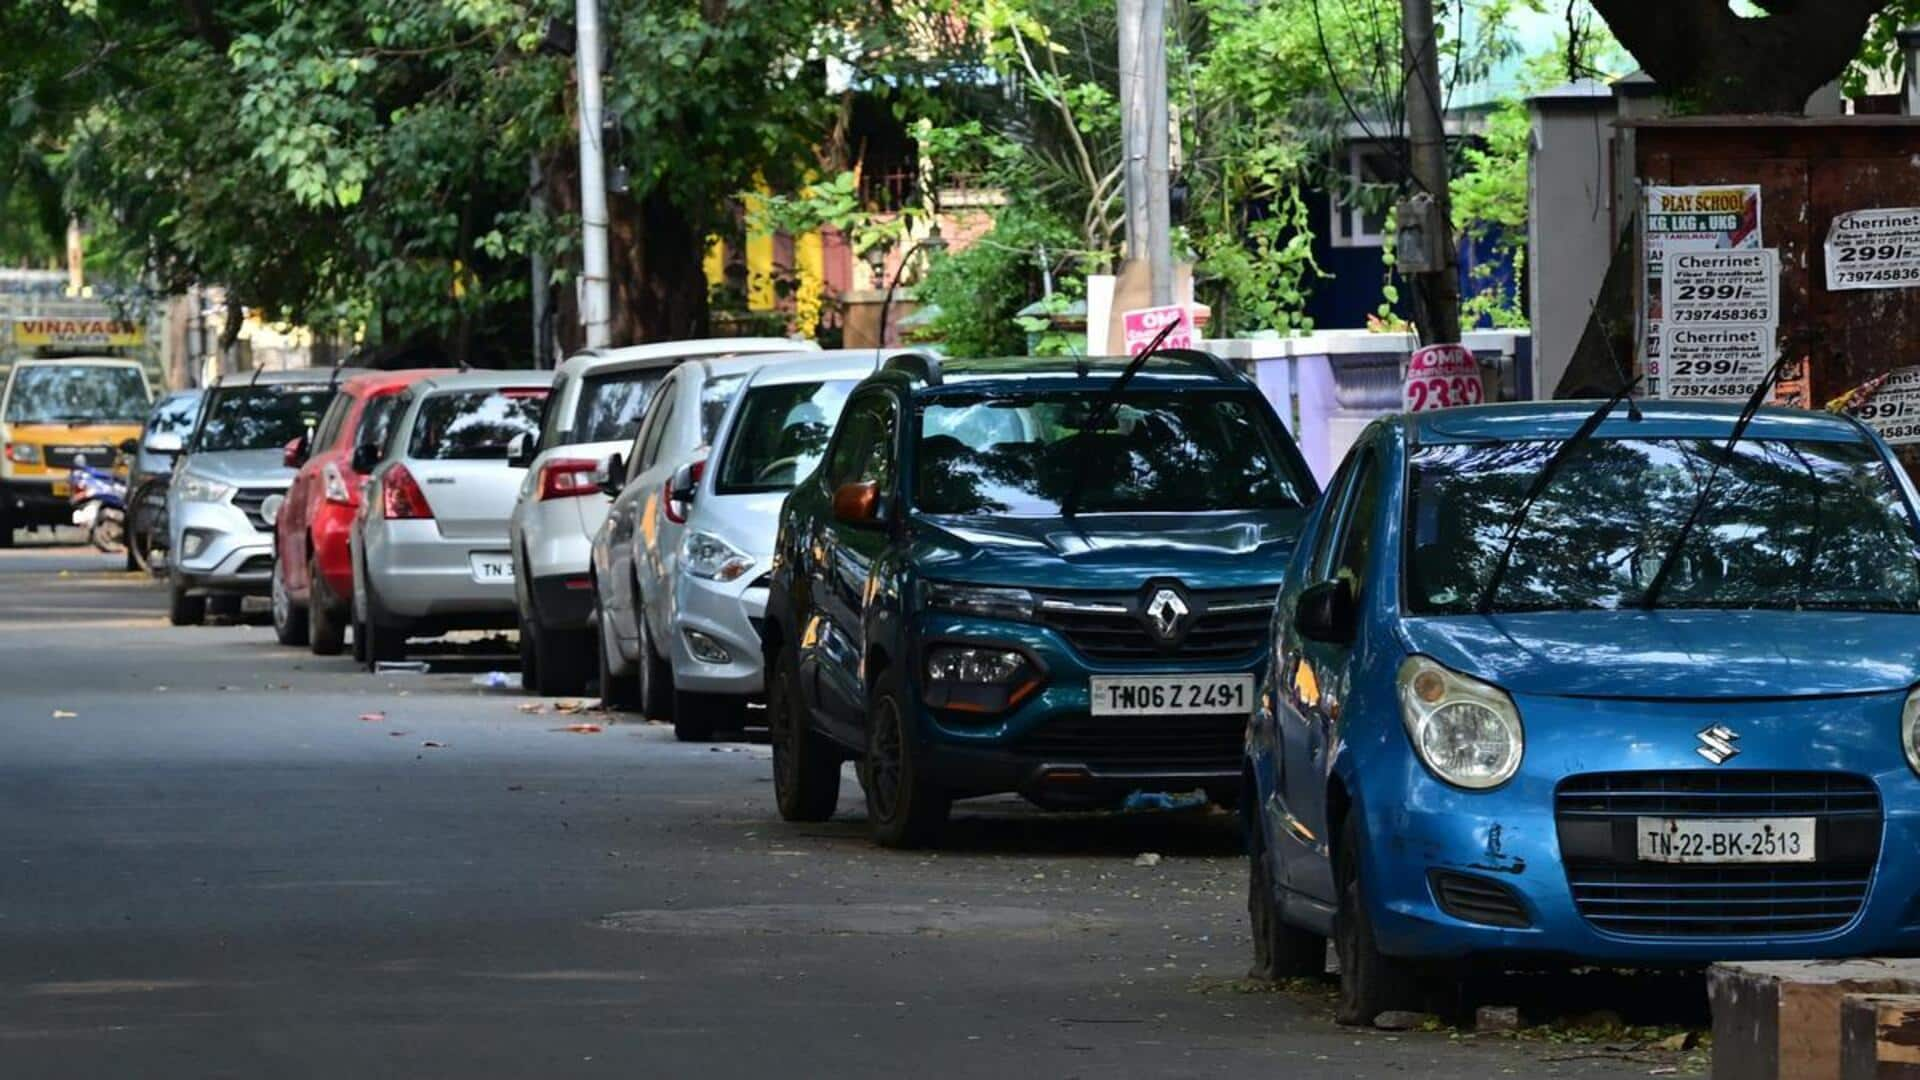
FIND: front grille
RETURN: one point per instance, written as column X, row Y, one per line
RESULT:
column 249, row 500
column 1222, row 624
column 1615, row 892
column 257, row 564
column 64, row 457
column 1471, row 898
column 1118, row 743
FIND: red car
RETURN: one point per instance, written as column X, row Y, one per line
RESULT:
column 312, row 575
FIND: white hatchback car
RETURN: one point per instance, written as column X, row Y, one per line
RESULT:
column 598, row 398
column 429, row 544
column 680, row 569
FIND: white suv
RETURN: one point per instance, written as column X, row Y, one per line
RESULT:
column 595, row 408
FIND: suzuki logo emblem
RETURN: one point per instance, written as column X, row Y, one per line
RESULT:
column 1717, row 744
column 1164, row 613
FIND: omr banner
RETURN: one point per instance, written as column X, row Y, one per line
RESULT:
column 78, row 333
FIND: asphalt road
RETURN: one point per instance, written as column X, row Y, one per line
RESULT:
column 234, row 860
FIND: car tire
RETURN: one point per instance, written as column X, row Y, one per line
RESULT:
column 6, row 520
column 326, row 636
column 655, row 693
column 806, row 766
column 905, row 808
column 289, row 618
column 617, row 692
column 529, row 657
column 385, row 641
column 558, row 660
column 183, row 609
column 1371, row 982
column 1280, row 951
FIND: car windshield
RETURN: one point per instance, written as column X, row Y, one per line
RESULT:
column 715, row 396
column 1789, row 523
column 1156, row 451
column 83, row 393
column 249, row 417
column 475, row 425
column 174, row 415
column 779, row 435
column 612, row 403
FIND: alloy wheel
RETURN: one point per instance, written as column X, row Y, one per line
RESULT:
column 883, row 761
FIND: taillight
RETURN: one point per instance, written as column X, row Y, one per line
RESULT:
column 568, row 478
column 679, row 491
column 402, row 495
column 335, row 485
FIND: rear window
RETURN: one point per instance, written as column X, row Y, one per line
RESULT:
column 174, row 415
column 611, row 405
column 70, row 393
column 249, row 417
column 475, row 425
column 779, row 435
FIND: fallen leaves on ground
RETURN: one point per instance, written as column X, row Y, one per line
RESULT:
column 62, row 714
column 581, row 729
column 372, row 717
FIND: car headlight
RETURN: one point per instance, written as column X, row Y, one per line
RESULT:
column 197, row 488
column 979, row 679
column 707, row 556
column 1465, row 731
column 991, row 603
column 1910, row 728
column 22, row 453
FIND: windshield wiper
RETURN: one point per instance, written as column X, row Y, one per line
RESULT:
column 1652, row 597
column 1070, row 503
column 1560, row 455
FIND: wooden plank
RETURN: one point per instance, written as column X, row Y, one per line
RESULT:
column 1880, row 1037
column 1780, row 1020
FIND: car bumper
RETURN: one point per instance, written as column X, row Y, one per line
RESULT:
column 728, row 614
column 216, row 548
column 419, row 574
column 558, row 538
column 1051, row 749
column 33, row 502
column 1586, row 895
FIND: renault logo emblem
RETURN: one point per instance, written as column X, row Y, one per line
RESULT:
column 1717, row 744
column 1165, row 612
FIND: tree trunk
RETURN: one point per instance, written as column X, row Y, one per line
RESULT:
column 1709, row 60
column 655, row 258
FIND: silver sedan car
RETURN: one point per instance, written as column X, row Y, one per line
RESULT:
column 429, row 545
column 681, row 565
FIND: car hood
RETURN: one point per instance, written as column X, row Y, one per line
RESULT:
column 748, row 522
column 1677, row 654
column 1109, row 551
column 243, row 467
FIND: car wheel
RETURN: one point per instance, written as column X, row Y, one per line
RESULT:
column 385, row 641
column 1370, row 981
column 1280, row 951
column 616, row 691
column 6, row 521
column 806, row 767
column 656, row 684
column 182, row 609
column 905, row 809
column 561, row 661
column 325, row 634
column 289, row 618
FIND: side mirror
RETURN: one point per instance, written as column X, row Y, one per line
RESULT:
column 857, row 504
column 129, row 446
column 294, row 454
column 612, row 476
column 685, row 482
column 520, row 451
column 365, row 457
column 1327, row 613
column 165, row 442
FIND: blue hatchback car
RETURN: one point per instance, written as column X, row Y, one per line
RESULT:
column 1659, row 709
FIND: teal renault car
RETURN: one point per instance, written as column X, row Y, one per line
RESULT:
column 1053, row 577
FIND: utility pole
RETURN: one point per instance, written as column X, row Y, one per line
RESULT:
column 595, row 304
column 1423, row 247
column 1145, row 139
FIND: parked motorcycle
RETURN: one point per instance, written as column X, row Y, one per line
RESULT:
column 99, row 502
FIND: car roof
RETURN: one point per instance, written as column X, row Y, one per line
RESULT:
column 820, row 366
column 485, row 380
column 376, row 381
column 70, row 361
column 1185, row 370
column 665, row 354
column 287, row 377
column 1530, row 420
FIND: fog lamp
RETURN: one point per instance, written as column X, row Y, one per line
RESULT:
column 193, row 543
column 706, row 650
column 977, row 679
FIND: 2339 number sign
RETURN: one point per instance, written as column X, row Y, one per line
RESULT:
column 1440, row 377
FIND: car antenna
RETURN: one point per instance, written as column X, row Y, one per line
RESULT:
column 1070, row 505
column 1484, row 604
column 1667, row 562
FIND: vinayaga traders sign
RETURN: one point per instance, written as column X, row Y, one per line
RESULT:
column 77, row 333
